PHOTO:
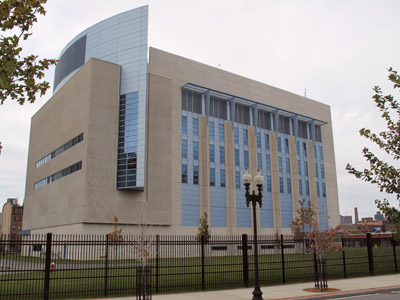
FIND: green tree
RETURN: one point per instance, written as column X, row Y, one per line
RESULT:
column 20, row 76
column 380, row 172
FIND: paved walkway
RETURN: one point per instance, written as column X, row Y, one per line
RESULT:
column 354, row 286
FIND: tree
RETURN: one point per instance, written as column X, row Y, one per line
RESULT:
column 20, row 76
column 204, row 228
column 380, row 172
column 115, row 237
column 305, row 216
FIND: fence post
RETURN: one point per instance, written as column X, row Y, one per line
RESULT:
column 203, row 284
column 344, row 259
column 106, row 268
column 394, row 254
column 316, row 273
column 157, row 259
column 245, row 258
column 370, row 254
column 47, row 267
column 283, row 260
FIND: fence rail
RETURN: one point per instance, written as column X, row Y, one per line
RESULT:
column 66, row 266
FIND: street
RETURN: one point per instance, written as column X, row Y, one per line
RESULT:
column 378, row 296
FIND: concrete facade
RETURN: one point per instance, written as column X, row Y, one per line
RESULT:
column 191, row 159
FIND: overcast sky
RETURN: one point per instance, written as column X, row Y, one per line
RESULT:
column 336, row 50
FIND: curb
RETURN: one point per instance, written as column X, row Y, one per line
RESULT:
column 346, row 294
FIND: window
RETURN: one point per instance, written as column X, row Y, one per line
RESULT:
column 221, row 132
column 59, row 150
column 212, row 153
column 218, row 108
column 300, row 187
column 279, row 144
column 259, row 161
column 184, row 125
column 264, row 119
column 184, row 148
column 258, row 140
column 284, row 124
column 222, row 177
column 298, row 148
column 316, row 170
column 288, row 166
column 195, row 174
column 245, row 138
column 191, row 101
column 184, row 173
column 321, row 153
column 212, row 176
column 305, row 168
column 323, row 190
column 280, row 164
column 246, row 159
column 302, row 129
column 287, row 146
column 266, row 141
column 237, row 159
column 281, row 188
column 196, row 150
column 318, row 135
column 13, row 227
column 289, row 185
column 307, row 188
column 19, row 227
column 305, row 149
column 237, row 179
column 299, row 167
column 127, row 140
column 211, row 130
column 236, row 135
column 318, row 192
column 56, row 176
column 242, row 114
column 221, row 154
column 268, row 162
column 269, row 184
column 322, row 171
column 195, row 127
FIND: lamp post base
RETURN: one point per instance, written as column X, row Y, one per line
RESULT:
column 257, row 294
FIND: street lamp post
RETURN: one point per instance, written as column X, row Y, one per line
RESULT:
column 253, row 198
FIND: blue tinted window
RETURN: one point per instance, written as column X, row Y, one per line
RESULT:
column 236, row 135
column 195, row 174
column 196, row 150
column 321, row 153
column 287, row 166
column 184, row 125
column 269, row 184
column 298, row 148
column 268, row 162
column 184, row 148
column 316, row 170
column 245, row 139
column 212, row 153
column 307, row 188
column 195, row 127
column 279, row 144
column 305, row 149
column 246, row 159
column 300, row 187
column 322, row 171
column 222, row 154
column 280, row 164
column 267, row 141
column 289, row 185
column 237, row 179
column 221, row 132
column 222, row 177
column 281, row 189
column 259, row 161
column 184, row 173
column 299, row 167
column 287, row 146
column 318, row 192
column 258, row 140
column 305, row 168
column 212, row 177
column 323, row 190
column 211, row 130
column 237, row 159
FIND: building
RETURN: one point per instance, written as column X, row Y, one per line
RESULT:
column 130, row 127
column 11, row 221
column 379, row 216
column 346, row 220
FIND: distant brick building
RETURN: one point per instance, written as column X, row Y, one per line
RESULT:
column 11, row 221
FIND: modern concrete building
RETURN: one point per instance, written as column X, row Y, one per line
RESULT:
column 130, row 127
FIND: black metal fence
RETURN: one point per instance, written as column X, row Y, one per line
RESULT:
column 70, row 266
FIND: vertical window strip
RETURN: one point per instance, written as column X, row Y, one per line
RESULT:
column 300, row 187
column 212, row 176
column 307, row 188
column 305, row 168
column 259, row 161
column 280, row 164
column 184, row 125
column 212, row 153
column 258, row 140
column 237, row 159
column 184, row 173
column 196, row 175
column 184, row 148
column 237, row 179
column 195, row 127
column 211, row 130
column 195, row 150
column 246, row 159
column 288, row 166
column 222, row 177
column 245, row 137
column 266, row 141
column 269, row 184
column 222, row 155
column 281, row 188
column 323, row 190
column 236, row 135
column 287, row 146
column 279, row 144
column 221, row 133
column 268, row 162
column 289, row 185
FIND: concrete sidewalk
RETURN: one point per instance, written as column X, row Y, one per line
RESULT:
column 353, row 286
